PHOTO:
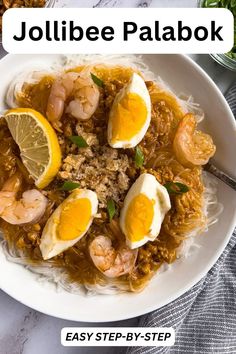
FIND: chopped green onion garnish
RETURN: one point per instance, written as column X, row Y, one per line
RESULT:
column 176, row 188
column 78, row 140
column 69, row 186
column 96, row 80
column 111, row 208
column 139, row 157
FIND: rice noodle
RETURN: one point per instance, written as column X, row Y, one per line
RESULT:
column 47, row 271
column 34, row 75
column 211, row 208
column 136, row 61
column 31, row 76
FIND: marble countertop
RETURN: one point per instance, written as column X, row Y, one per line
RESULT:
column 25, row 331
column 126, row 3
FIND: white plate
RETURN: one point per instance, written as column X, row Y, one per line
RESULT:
column 184, row 76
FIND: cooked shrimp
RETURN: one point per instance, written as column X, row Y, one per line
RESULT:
column 84, row 93
column 192, row 147
column 61, row 89
column 28, row 209
column 111, row 262
column 86, row 97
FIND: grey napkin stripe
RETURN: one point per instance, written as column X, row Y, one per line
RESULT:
column 231, row 98
column 204, row 318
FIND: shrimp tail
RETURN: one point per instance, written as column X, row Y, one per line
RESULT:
column 57, row 127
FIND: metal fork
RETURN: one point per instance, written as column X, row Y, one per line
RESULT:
column 221, row 175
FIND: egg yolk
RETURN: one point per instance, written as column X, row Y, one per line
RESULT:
column 74, row 219
column 128, row 118
column 139, row 217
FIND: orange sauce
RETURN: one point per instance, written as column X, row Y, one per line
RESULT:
column 157, row 147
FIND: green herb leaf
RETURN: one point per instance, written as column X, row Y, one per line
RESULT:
column 111, row 208
column 176, row 188
column 139, row 157
column 233, row 3
column 211, row 3
column 78, row 140
column 69, row 186
column 96, row 80
column 228, row 4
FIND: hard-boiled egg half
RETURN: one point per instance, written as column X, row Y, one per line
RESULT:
column 69, row 222
column 144, row 209
column 130, row 114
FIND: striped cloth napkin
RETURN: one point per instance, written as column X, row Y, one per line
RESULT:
column 204, row 318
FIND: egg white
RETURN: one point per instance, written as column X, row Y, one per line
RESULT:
column 135, row 85
column 148, row 185
column 50, row 245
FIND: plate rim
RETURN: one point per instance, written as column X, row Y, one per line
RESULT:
column 183, row 290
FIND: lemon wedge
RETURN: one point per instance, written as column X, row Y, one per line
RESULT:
column 38, row 144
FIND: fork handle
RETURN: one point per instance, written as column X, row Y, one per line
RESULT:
column 221, row 175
